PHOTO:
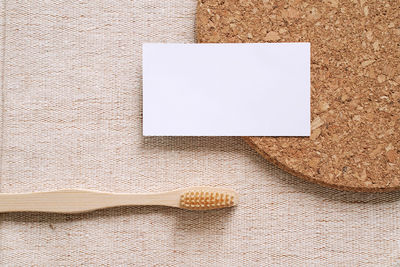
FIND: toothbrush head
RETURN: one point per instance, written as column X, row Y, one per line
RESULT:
column 208, row 199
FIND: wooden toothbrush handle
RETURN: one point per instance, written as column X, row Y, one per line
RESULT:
column 75, row 201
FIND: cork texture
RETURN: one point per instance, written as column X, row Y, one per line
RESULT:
column 355, row 84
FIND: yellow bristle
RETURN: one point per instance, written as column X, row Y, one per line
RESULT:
column 200, row 200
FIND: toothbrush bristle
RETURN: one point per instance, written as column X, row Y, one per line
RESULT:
column 205, row 200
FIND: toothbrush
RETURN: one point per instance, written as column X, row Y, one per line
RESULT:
column 76, row 201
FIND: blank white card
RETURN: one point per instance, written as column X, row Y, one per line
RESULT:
column 226, row 89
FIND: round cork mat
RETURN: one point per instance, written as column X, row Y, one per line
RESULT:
column 355, row 84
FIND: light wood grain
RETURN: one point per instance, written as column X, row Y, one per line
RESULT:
column 75, row 201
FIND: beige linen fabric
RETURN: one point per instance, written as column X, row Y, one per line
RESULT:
column 71, row 118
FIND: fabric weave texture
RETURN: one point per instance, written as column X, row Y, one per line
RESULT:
column 71, row 118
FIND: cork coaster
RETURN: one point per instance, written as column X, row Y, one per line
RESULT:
column 355, row 84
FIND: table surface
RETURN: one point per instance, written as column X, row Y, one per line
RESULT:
column 71, row 118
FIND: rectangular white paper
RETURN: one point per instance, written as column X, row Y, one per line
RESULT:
column 252, row 89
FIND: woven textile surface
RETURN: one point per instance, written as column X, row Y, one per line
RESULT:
column 71, row 118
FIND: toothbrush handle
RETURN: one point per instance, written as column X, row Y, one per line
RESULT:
column 76, row 201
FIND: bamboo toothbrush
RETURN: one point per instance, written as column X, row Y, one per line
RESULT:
column 76, row 201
